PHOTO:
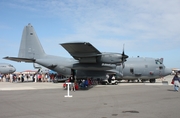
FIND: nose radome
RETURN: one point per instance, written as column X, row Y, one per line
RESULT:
column 14, row 69
column 167, row 71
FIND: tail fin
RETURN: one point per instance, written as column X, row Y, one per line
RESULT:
column 30, row 45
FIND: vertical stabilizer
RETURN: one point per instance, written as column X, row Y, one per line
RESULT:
column 30, row 45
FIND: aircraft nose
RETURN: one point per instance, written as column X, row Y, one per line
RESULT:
column 167, row 71
column 13, row 69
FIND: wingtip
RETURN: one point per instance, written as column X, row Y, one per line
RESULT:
column 6, row 57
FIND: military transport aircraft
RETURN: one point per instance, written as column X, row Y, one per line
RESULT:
column 87, row 62
column 6, row 68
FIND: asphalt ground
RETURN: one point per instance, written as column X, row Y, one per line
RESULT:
column 46, row 100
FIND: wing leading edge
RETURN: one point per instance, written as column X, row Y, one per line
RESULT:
column 19, row 59
column 82, row 51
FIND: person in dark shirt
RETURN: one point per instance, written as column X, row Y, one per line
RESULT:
column 176, row 81
column 72, row 80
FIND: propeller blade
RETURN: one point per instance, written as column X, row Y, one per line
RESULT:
column 124, row 57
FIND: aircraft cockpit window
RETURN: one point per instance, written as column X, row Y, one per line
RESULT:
column 10, row 66
column 157, row 62
column 31, row 33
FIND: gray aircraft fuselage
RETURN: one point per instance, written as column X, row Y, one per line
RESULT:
column 6, row 68
column 134, row 68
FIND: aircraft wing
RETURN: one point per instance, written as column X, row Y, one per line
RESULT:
column 19, row 59
column 82, row 51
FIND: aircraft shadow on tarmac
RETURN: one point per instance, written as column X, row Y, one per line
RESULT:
column 170, row 90
column 83, row 88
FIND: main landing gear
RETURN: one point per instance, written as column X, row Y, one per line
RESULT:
column 152, row 80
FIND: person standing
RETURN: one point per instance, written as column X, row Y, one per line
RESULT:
column 27, row 77
column 35, row 77
column 7, row 77
column 46, row 77
column 11, row 77
column 176, row 81
column 72, row 80
column 22, row 78
column 1, row 77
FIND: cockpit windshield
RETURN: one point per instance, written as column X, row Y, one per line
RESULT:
column 158, row 62
column 10, row 65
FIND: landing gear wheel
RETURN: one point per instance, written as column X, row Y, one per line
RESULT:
column 142, row 80
column 152, row 80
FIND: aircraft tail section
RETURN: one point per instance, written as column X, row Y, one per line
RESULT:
column 30, row 45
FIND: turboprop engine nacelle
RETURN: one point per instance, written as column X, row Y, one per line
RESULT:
column 112, row 58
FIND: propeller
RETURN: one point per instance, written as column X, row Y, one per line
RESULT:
column 124, row 56
column 123, row 59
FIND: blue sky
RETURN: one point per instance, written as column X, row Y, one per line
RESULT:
column 148, row 28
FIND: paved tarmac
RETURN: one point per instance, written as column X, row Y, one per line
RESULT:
column 46, row 100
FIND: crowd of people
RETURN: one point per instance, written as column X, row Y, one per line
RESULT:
column 75, row 84
column 80, row 83
column 37, row 77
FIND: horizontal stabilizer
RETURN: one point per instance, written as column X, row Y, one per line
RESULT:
column 19, row 59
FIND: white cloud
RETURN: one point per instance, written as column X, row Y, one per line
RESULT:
column 137, row 24
column 129, row 21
